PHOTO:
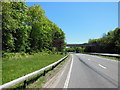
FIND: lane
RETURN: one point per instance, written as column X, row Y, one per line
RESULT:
column 90, row 72
column 86, row 71
column 107, row 66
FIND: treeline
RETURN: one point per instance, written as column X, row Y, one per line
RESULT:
column 75, row 49
column 27, row 29
column 109, row 43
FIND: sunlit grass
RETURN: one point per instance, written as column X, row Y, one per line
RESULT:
column 13, row 68
column 43, row 79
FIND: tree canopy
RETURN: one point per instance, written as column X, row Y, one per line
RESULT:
column 27, row 29
column 109, row 43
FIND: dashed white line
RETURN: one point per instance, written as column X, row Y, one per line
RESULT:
column 68, row 76
column 102, row 66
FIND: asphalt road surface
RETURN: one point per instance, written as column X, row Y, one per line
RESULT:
column 87, row 71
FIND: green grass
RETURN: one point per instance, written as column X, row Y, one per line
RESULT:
column 13, row 68
column 43, row 79
column 38, row 83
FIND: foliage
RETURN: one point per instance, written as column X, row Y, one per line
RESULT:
column 27, row 29
column 109, row 43
column 75, row 49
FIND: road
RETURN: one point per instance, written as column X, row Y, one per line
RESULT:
column 106, row 54
column 87, row 71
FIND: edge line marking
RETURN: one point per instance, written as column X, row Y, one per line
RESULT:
column 68, row 75
column 102, row 66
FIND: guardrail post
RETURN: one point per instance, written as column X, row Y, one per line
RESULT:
column 53, row 67
column 25, row 84
column 44, row 73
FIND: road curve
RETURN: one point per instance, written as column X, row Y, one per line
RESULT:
column 93, row 72
column 87, row 71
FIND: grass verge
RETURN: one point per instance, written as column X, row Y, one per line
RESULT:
column 13, row 68
column 43, row 79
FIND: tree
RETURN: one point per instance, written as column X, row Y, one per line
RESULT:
column 27, row 29
column 109, row 43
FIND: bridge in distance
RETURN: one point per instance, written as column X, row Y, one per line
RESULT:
column 80, row 45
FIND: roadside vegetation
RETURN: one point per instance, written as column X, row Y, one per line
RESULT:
column 30, row 41
column 109, row 43
column 75, row 49
column 14, row 67
column 44, row 79
column 27, row 29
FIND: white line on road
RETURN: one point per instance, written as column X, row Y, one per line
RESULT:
column 53, row 82
column 102, row 66
column 102, row 58
column 68, row 75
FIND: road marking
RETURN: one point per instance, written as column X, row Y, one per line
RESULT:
column 51, row 82
column 68, row 75
column 102, row 66
column 61, row 75
column 103, row 58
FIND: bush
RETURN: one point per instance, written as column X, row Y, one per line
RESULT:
column 23, row 53
column 13, row 55
column 49, row 52
column 8, row 55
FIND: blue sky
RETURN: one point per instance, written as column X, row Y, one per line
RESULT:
column 81, row 21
